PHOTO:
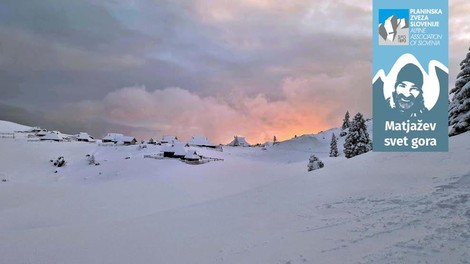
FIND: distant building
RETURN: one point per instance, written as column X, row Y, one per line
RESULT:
column 84, row 137
column 192, row 156
column 125, row 140
column 239, row 142
column 169, row 139
column 41, row 133
column 200, row 141
column 174, row 151
column 119, row 139
column 35, row 130
column 112, row 138
column 53, row 136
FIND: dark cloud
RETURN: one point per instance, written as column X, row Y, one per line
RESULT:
column 80, row 24
column 18, row 114
column 10, row 86
column 59, row 55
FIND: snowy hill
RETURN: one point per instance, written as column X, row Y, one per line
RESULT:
column 317, row 142
column 300, row 148
column 10, row 127
column 255, row 206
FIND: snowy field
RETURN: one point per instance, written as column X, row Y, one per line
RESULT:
column 256, row 206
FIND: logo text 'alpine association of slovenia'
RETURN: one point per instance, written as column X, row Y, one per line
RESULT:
column 393, row 27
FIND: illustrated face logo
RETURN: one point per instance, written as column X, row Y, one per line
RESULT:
column 393, row 28
column 406, row 94
column 408, row 89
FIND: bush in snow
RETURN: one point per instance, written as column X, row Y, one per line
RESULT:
column 346, row 122
column 60, row 162
column 343, row 133
column 459, row 108
column 314, row 163
column 333, row 146
column 219, row 148
column 357, row 141
column 92, row 160
column 142, row 146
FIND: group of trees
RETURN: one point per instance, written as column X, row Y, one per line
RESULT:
column 357, row 140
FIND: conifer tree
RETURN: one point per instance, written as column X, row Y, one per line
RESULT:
column 357, row 141
column 333, row 146
column 459, row 107
column 346, row 122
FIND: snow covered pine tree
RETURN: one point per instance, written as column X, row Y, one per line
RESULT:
column 334, row 146
column 459, row 108
column 357, row 141
column 314, row 163
column 346, row 122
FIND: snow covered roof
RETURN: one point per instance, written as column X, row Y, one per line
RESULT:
column 85, row 136
column 239, row 141
column 126, row 139
column 167, row 148
column 116, row 137
column 53, row 135
column 169, row 139
column 177, row 149
column 35, row 129
column 200, row 141
column 41, row 133
column 113, row 136
column 191, row 155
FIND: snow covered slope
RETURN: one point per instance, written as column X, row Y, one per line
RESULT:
column 256, row 206
column 10, row 127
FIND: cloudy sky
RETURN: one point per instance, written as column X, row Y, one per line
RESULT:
column 256, row 68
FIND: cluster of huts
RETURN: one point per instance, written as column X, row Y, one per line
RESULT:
column 119, row 139
column 176, row 149
column 45, row 135
column 173, row 148
column 172, row 142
